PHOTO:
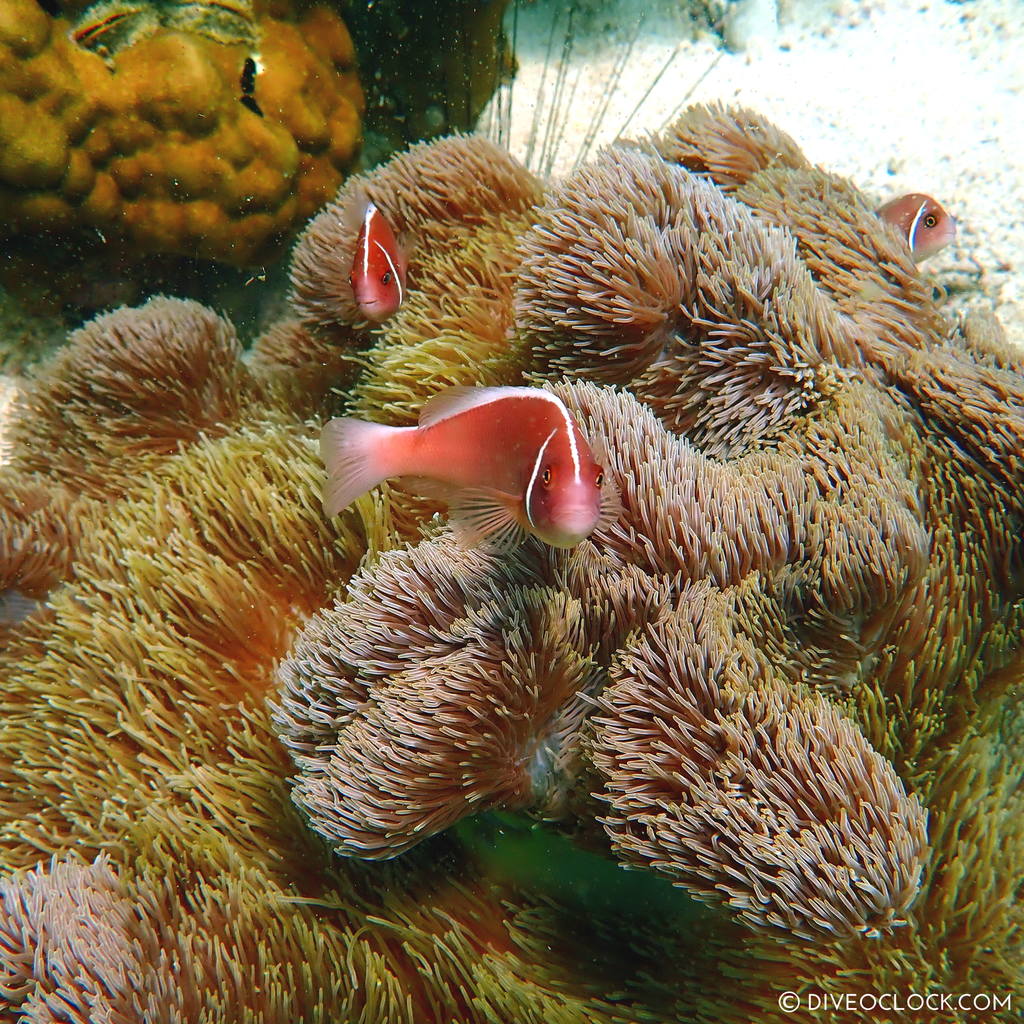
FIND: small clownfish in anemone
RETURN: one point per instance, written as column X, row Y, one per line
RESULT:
column 379, row 266
column 922, row 221
column 509, row 461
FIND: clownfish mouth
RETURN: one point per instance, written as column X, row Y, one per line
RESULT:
column 572, row 526
column 374, row 309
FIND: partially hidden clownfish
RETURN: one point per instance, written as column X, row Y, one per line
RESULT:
column 509, row 461
column 922, row 221
column 379, row 266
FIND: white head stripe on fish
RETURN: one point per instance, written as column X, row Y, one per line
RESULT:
column 394, row 270
column 574, row 450
column 367, row 217
column 913, row 224
column 533, row 476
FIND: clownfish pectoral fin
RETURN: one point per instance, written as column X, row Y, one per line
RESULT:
column 912, row 230
column 353, row 453
column 484, row 516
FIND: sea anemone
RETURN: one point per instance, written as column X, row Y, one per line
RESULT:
column 637, row 273
column 449, row 681
column 128, row 388
column 748, row 792
column 788, row 649
column 391, row 755
column 727, row 144
column 304, row 367
column 40, row 539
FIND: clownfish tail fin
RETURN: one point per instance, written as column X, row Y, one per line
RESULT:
column 355, row 454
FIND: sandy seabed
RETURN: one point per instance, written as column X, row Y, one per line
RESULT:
column 898, row 96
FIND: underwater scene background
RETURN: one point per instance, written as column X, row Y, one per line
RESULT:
column 260, row 763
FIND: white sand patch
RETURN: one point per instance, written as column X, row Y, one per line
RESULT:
column 900, row 97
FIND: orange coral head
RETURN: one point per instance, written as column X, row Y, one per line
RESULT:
column 927, row 227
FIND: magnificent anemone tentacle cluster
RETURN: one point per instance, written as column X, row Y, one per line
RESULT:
column 424, row 747
column 776, row 677
column 42, row 530
column 638, row 274
column 130, row 387
column 449, row 681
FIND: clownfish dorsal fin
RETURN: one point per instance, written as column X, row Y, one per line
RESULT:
column 459, row 399
column 485, row 516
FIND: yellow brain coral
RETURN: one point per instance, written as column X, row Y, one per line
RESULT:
column 169, row 141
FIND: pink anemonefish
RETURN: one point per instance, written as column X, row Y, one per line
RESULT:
column 922, row 221
column 378, row 267
column 509, row 461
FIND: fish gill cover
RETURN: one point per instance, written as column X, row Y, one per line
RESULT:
column 781, row 678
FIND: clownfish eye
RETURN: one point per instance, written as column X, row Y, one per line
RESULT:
column 545, row 477
column 385, row 278
column 931, row 220
column 599, row 479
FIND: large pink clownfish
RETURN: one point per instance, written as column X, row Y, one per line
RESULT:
column 509, row 461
